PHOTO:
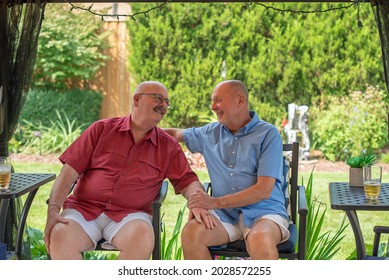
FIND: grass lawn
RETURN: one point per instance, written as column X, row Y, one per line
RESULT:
column 173, row 203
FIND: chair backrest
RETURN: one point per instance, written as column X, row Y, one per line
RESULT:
column 291, row 160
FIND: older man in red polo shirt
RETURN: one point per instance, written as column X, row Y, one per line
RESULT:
column 120, row 164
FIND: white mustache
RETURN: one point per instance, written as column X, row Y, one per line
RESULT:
column 160, row 109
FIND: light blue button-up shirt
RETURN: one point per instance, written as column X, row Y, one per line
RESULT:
column 234, row 162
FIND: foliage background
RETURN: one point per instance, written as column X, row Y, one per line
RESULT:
column 351, row 124
column 60, row 105
column 83, row 106
column 281, row 57
column 70, row 49
column 316, row 59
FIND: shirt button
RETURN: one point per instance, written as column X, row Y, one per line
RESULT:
column 233, row 152
column 109, row 201
column 231, row 174
column 231, row 165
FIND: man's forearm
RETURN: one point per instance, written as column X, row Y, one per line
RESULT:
column 192, row 188
column 258, row 192
column 62, row 186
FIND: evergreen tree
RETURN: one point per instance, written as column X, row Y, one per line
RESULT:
column 281, row 57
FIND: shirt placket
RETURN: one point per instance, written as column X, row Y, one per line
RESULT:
column 232, row 162
column 130, row 158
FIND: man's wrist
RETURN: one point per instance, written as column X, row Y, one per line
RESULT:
column 216, row 203
column 54, row 205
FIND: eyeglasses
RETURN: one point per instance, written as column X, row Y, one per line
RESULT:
column 157, row 98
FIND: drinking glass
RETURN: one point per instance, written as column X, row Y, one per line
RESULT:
column 372, row 176
column 5, row 172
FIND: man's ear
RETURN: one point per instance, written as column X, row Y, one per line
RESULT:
column 136, row 100
column 242, row 99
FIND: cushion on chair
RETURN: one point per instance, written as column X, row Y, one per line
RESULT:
column 289, row 245
column 285, row 186
column 285, row 247
column 238, row 245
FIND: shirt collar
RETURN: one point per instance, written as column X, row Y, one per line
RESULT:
column 150, row 135
column 254, row 121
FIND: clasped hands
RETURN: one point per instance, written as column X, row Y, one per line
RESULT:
column 199, row 204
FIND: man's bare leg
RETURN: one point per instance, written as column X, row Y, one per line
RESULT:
column 135, row 240
column 68, row 241
column 196, row 239
column 262, row 240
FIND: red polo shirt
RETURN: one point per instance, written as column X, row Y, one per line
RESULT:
column 119, row 177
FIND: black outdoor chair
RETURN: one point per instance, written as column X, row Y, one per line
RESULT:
column 295, row 201
column 378, row 231
column 156, row 222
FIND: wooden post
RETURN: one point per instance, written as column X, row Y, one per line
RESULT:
column 113, row 80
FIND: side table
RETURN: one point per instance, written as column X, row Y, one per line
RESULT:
column 350, row 200
column 20, row 184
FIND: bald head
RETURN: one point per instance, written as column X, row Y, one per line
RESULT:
column 151, row 86
column 233, row 87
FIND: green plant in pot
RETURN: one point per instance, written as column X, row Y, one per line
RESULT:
column 356, row 164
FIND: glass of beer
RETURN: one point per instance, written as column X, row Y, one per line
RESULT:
column 372, row 176
column 5, row 172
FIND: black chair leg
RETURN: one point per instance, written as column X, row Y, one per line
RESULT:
column 376, row 244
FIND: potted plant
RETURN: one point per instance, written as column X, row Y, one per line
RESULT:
column 356, row 164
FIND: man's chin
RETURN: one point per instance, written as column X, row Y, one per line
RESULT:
column 158, row 117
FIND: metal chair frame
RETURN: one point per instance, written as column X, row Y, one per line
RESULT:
column 378, row 230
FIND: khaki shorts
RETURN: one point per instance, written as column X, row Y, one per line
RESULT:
column 240, row 231
column 103, row 226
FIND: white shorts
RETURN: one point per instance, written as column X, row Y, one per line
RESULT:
column 103, row 226
column 240, row 231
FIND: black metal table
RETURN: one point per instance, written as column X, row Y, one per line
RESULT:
column 20, row 184
column 350, row 199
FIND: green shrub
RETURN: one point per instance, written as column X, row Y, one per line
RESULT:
column 50, row 139
column 83, row 106
column 280, row 60
column 70, row 49
column 385, row 158
column 269, row 113
column 37, row 247
column 351, row 123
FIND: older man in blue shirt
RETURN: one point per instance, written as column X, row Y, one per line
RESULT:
column 243, row 155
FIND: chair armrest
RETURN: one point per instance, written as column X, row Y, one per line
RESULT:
column 156, row 219
column 381, row 229
column 302, row 201
column 161, row 196
column 377, row 236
